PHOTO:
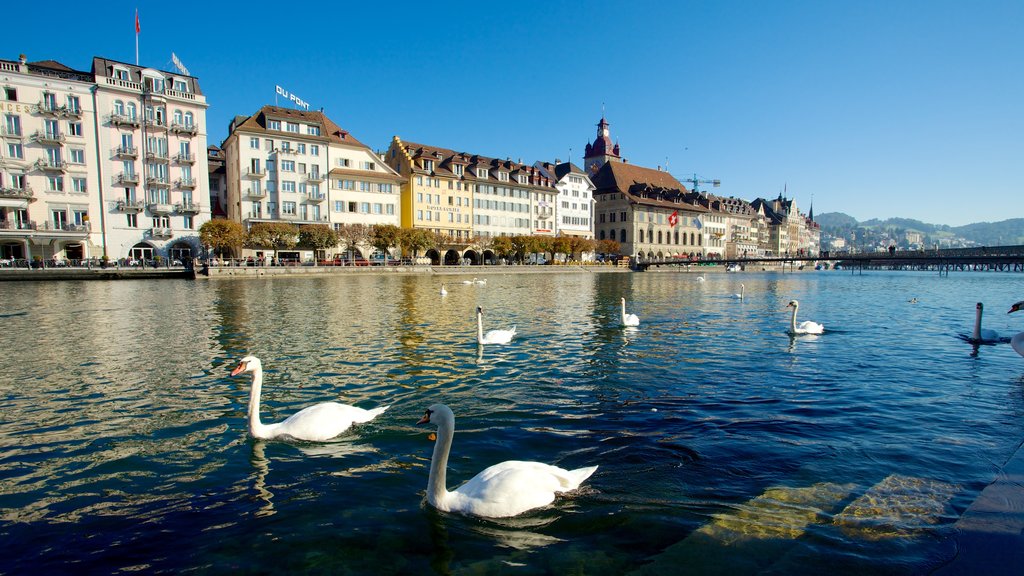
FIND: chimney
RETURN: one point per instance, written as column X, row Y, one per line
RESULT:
column 557, row 161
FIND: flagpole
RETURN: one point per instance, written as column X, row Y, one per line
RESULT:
column 136, row 36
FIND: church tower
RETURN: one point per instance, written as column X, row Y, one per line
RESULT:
column 601, row 151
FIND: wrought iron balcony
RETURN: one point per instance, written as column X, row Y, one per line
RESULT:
column 49, row 108
column 160, row 208
column 122, row 120
column 126, row 178
column 185, row 159
column 24, row 193
column 126, row 152
column 316, row 198
column 161, row 232
column 77, row 229
column 314, row 177
column 157, row 157
column 158, row 181
column 51, row 165
column 129, row 206
column 255, row 193
column 71, row 112
column 255, row 173
column 190, row 129
column 187, row 208
column 155, row 124
column 44, row 137
column 185, row 183
column 15, row 225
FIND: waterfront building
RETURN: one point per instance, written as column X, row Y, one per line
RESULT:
column 101, row 163
column 789, row 231
column 601, row 151
column 574, row 206
column 287, row 165
column 151, row 131
column 218, row 181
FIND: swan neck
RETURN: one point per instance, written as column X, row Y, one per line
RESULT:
column 479, row 327
column 792, row 320
column 977, row 324
column 623, row 311
column 255, row 426
column 437, row 490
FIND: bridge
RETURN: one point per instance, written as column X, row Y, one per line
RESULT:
column 991, row 258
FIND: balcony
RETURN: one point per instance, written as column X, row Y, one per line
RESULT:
column 189, row 183
column 161, row 232
column 158, row 181
column 255, row 173
column 75, row 229
column 122, row 120
column 15, row 225
column 126, row 179
column 129, row 206
column 71, row 112
column 314, row 177
column 316, row 198
column 161, row 157
column 9, row 133
column 160, row 208
column 155, row 124
column 51, row 165
column 126, row 152
column 185, row 159
column 189, row 129
column 23, row 193
column 255, row 193
column 44, row 137
column 187, row 208
column 49, row 108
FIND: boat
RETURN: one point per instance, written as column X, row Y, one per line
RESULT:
column 733, row 268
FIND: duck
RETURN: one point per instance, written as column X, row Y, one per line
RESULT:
column 499, row 491
column 629, row 319
column 315, row 423
column 492, row 336
column 805, row 327
column 1017, row 341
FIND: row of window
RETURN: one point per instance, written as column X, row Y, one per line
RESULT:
column 505, row 221
column 695, row 239
column 51, row 128
column 293, row 127
column 364, row 207
column 435, row 216
column 502, row 206
column 575, row 221
column 286, row 147
column 381, row 187
column 293, row 209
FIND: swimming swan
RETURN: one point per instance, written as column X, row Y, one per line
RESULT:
column 805, row 327
column 492, row 336
column 1017, row 342
column 740, row 295
column 629, row 319
column 444, row 291
column 506, row 489
column 315, row 423
column 982, row 334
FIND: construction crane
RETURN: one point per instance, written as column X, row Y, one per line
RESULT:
column 697, row 181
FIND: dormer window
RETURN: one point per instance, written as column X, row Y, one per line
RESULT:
column 273, row 124
column 122, row 74
column 428, row 165
column 458, row 169
column 503, row 176
column 524, row 179
column 313, row 130
column 180, row 86
column 481, row 172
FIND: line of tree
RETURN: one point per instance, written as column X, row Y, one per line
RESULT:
column 226, row 238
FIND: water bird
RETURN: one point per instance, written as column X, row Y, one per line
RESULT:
column 469, row 281
column 500, row 491
column 805, row 327
column 314, row 423
column 492, row 336
column 629, row 319
column 1017, row 342
column 700, row 278
column 475, row 281
column 982, row 334
column 913, row 300
column 740, row 295
column 444, row 291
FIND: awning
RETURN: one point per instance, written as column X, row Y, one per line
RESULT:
column 14, row 202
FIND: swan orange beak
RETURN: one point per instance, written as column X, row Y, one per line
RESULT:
column 238, row 369
column 424, row 420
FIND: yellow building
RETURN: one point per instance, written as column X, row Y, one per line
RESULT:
column 437, row 192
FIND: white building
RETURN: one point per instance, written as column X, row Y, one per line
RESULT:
column 100, row 163
column 574, row 206
column 287, row 165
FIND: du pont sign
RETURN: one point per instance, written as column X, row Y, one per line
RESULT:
column 289, row 96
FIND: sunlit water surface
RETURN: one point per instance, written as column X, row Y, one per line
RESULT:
column 723, row 444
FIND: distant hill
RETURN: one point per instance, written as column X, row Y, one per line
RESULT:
column 1004, row 233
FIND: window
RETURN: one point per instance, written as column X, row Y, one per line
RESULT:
column 55, row 183
column 287, row 186
column 339, row 206
column 481, row 173
column 133, row 220
column 300, row 148
column 378, row 208
column 189, row 119
column 131, row 111
column 12, row 125
column 74, row 105
column 313, row 130
column 458, row 169
column 52, row 129
column 287, row 165
column 14, row 150
column 77, row 156
column 75, row 129
column 292, row 127
column 343, row 162
column 428, row 165
column 185, row 149
column 178, row 117
column 364, row 207
column 288, row 208
column 78, row 185
column 273, row 124
column 314, row 149
column 11, row 94
column 180, row 86
column 187, row 223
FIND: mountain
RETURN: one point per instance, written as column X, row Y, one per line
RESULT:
column 1004, row 233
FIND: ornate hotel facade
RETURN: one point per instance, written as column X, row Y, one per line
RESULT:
column 106, row 163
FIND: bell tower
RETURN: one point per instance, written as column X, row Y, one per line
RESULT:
column 601, row 151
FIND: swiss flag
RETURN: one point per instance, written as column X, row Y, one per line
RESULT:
column 673, row 219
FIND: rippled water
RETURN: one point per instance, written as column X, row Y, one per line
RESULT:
column 723, row 444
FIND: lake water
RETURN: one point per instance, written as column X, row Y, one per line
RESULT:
column 724, row 445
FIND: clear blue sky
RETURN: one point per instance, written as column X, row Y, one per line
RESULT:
column 874, row 108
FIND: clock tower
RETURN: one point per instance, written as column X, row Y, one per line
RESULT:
column 601, row 151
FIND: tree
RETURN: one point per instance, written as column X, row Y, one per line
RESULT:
column 608, row 247
column 352, row 235
column 503, row 246
column 579, row 245
column 562, row 245
column 222, row 235
column 319, row 237
column 416, row 239
column 384, row 236
column 275, row 235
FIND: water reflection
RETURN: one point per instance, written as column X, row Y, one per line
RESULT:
column 261, row 467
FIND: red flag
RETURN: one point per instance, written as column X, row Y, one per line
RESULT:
column 673, row 219
column 137, row 28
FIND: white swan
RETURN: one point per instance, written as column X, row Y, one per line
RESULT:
column 740, row 295
column 444, row 291
column 492, row 336
column 700, row 278
column 315, row 423
column 629, row 319
column 469, row 281
column 475, row 281
column 500, row 491
column 1017, row 342
column 805, row 327
column 982, row 334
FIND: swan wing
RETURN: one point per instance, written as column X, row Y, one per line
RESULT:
column 499, row 336
column 1017, row 343
column 631, row 320
column 809, row 327
column 324, row 421
column 513, row 487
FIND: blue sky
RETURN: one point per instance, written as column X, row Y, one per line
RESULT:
column 872, row 108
